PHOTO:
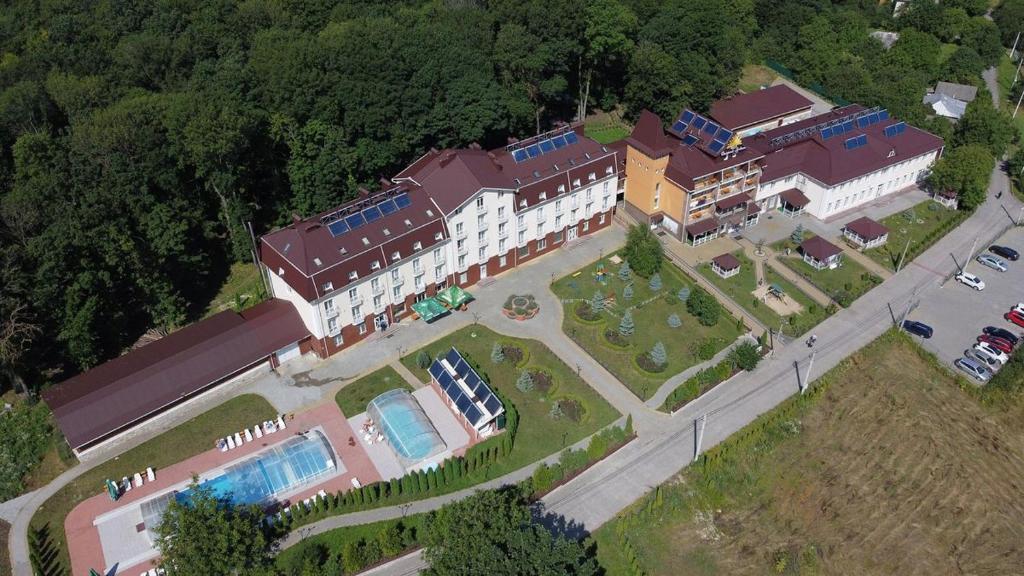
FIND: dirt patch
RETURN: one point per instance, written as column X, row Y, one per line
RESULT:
column 782, row 305
column 542, row 381
column 513, row 354
column 571, row 409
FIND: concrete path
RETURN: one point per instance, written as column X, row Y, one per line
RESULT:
column 674, row 382
column 991, row 77
column 865, row 261
column 405, row 373
column 786, row 272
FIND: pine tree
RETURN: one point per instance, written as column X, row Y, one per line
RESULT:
column 626, row 325
column 674, row 321
column 798, row 234
column 655, row 282
column 658, row 354
column 624, row 271
column 497, row 353
column 683, row 294
column 629, row 425
column 627, row 292
column 556, row 411
column 423, row 359
column 597, row 302
column 525, row 382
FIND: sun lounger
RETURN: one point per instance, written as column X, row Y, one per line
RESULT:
column 138, row 479
column 380, row 437
column 231, row 443
column 222, row 445
column 355, row 483
column 258, row 431
column 248, row 435
column 150, row 475
column 126, row 483
column 238, row 439
column 280, row 422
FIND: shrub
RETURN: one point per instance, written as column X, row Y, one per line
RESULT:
column 798, row 234
column 703, row 306
column 658, row 354
column 597, row 302
column 626, row 325
column 643, row 250
column 745, row 356
column 624, row 271
column 524, row 382
column 674, row 321
column 585, row 312
column 627, row 292
column 683, row 294
column 647, row 364
column 615, row 338
column 556, row 411
column 513, row 354
column 497, row 353
column 655, row 282
column 423, row 359
column 705, row 348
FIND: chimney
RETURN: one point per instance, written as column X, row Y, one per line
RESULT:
column 474, row 146
column 363, row 192
column 296, row 218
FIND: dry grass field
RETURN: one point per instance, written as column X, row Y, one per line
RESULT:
column 892, row 470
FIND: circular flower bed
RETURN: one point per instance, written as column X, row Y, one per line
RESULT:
column 586, row 313
column 541, row 381
column 645, row 363
column 520, row 307
column 571, row 408
column 616, row 339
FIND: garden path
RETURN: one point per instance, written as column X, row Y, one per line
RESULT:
column 405, row 373
column 872, row 266
column 672, row 383
column 787, row 273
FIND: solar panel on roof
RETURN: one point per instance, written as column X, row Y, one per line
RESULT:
column 463, row 404
column 546, row 146
column 471, row 379
column 826, row 133
column 717, row 146
column 711, row 128
column 848, row 126
column 453, row 357
column 689, row 139
column 850, row 143
column 372, row 213
column 445, row 380
column 838, row 129
column 436, row 370
column 402, row 201
column 862, row 122
column 679, row 126
column 862, row 140
column 872, row 118
column 387, row 207
column 492, row 404
column 883, row 114
column 462, row 368
column 481, row 391
column 723, row 134
column 891, row 131
column 519, row 155
column 571, row 138
column 558, row 141
column 338, row 227
column 687, row 116
column 699, row 121
column 355, row 221
column 455, row 393
column 533, row 150
column 473, row 415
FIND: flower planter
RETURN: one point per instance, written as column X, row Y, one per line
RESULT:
column 520, row 307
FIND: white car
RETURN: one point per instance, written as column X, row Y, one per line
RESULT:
column 984, row 349
column 993, row 262
column 968, row 279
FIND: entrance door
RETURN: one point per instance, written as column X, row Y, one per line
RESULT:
column 380, row 321
column 483, row 271
column 571, row 234
column 287, row 353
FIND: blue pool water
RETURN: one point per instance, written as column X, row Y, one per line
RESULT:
column 415, row 445
column 277, row 470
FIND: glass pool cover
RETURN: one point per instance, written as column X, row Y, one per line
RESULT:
column 406, row 425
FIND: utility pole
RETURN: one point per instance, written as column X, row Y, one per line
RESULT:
column 699, row 424
column 1018, row 104
column 807, row 377
column 969, row 254
column 905, row 248
column 1016, row 74
column 1013, row 50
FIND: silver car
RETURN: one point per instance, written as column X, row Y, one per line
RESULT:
column 993, row 262
column 972, row 367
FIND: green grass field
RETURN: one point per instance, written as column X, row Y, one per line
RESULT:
column 913, row 224
column 650, row 310
column 335, row 541
column 607, row 132
column 539, row 434
column 242, row 289
column 353, row 398
column 843, row 284
column 195, row 436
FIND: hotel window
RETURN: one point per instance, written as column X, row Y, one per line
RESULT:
column 502, row 260
column 480, row 203
column 396, row 292
column 357, row 313
column 524, row 251
column 558, row 206
column 501, row 246
column 458, row 228
column 338, row 340
column 590, row 194
column 601, row 219
column 608, row 170
column 542, row 244
column 439, row 273
column 558, row 222
column 522, row 203
column 482, row 254
column 591, row 176
column 362, row 327
column 522, row 237
column 521, row 221
column 576, row 183
column 543, row 196
column 375, row 265
column 329, row 306
column 480, row 221
column 561, row 188
column 558, row 236
column 438, row 235
column 353, row 275
column 540, row 230
column 437, row 254
column 657, row 194
column 501, row 211
column 328, row 286
column 417, row 246
column 377, row 302
column 396, row 255
column 604, row 203
column 586, row 225
column 540, row 214
column 462, row 262
column 395, row 276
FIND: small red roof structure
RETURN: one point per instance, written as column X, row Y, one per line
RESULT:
column 732, row 201
column 819, row 248
column 726, row 262
column 795, row 198
column 743, row 110
column 867, row 228
column 702, row 226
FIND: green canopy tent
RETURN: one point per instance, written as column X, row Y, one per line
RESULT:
column 453, row 296
column 112, row 490
column 429, row 309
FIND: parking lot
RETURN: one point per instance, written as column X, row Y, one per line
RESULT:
column 958, row 313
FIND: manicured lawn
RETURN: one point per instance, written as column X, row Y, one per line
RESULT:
column 741, row 286
column 844, row 284
column 608, row 131
column 191, row 438
column 539, row 434
column 242, row 289
column 650, row 310
column 353, row 398
column 921, row 225
column 754, row 76
column 335, row 541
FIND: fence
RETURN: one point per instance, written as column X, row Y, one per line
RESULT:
column 813, row 87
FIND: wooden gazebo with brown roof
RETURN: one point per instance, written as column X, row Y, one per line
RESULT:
column 725, row 265
column 821, row 253
column 793, row 202
column 865, row 233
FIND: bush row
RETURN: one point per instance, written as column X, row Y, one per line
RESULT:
column 699, row 383
column 572, row 462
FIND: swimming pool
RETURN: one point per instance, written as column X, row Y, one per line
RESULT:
column 406, row 426
column 282, row 468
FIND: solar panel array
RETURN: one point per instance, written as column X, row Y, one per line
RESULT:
column 544, row 144
column 855, row 142
column 354, row 217
column 862, row 119
column 695, row 123
column 895, row 129
column 480, row 391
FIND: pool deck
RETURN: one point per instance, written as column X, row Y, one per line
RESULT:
column 86, row 547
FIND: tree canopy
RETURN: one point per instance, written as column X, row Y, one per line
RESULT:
column 966, row 170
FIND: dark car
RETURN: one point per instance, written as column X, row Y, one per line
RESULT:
column 1002, row 333
column 1005, row 252
column 918, row 328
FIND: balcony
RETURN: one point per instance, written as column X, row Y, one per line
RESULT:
column 460, row 234
column 463, row 250
column 380, row 308
column 502, row 231
column 377, row 289
column 333, row 330
column 482, row 227
column 398, row 281
column 502, row 217
column 522, row 224
column 705, row 183
column 356, row 300
column 481, row 208
column 331, row 312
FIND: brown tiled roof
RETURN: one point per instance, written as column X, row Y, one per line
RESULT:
column 732, row 201
column 702, row 226
column 794, row 198
column 819, row 248
column 649, row 137
column 753, row 208
column 828, row 160
column 726, row 261
column 745, row 110
column 116, row 394
column 867, row 228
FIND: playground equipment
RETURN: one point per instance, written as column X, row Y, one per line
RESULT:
column 601, row 274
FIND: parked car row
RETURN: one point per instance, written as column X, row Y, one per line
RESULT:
column 992, row 348
column 993, row 259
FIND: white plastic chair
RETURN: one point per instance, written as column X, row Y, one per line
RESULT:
column 248, row 435
column 258, row 431
column 150, row 475
column 231, row 443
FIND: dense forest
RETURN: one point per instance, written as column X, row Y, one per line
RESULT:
column 138, row 139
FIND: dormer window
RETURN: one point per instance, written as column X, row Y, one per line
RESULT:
column 366, row 242
column 609, row 169
column 438, row 235
column 536, row 174
column 417, row 246
column 522, row 203
column 431, row 212
column 561, row 188
column 892, row 153
column 328, row 286
column 343, row 251
column 375, row 265
column 353, row 275
column 591, row 176
column 543, row 196
column 280, row 271
column 408, row 224
column 387, row 232
column 576, row 183
column 396, row 255
column 317, row 262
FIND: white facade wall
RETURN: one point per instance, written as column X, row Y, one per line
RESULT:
column 280, row 289
column 474, row 228
column 566, row 210
column 826, row 200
